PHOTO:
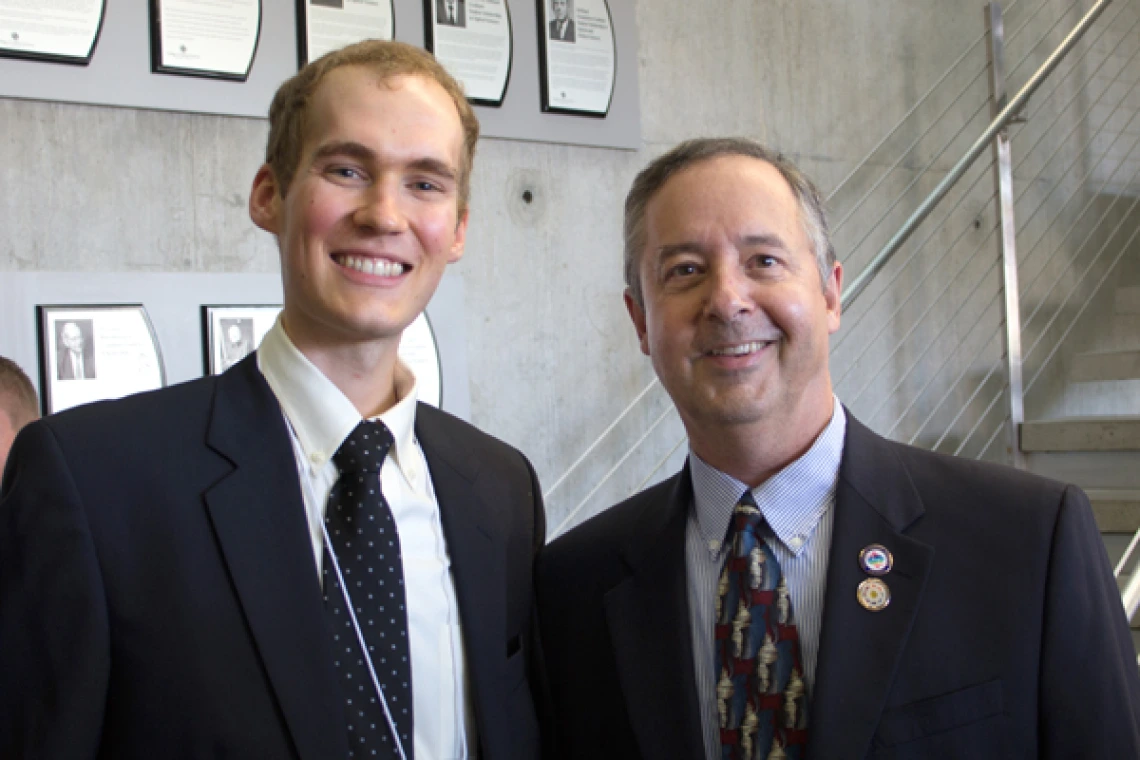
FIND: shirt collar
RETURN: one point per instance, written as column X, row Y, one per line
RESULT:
column 320, row 414
column 792, row 501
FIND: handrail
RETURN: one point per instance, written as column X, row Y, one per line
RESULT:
column 1007, row 114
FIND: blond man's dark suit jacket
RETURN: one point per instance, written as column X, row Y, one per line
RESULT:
column 158, row 597
column 1005, row 636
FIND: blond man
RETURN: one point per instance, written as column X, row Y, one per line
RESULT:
column 294, row 559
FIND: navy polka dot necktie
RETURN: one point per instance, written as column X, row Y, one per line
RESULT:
column 364, row 537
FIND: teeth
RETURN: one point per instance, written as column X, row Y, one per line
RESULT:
column 366, row 265
column 741, row 350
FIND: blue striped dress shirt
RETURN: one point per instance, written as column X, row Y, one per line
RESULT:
column 797, row 503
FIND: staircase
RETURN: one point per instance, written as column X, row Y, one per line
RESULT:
column 1098, row 447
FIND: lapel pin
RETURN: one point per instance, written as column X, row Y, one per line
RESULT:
column 876, row 560
column 874, row 594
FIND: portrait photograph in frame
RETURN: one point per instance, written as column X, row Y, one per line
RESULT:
column 96, row 352
column 230, row 333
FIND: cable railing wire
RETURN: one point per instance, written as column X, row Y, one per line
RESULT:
column 1024, row 291
column 947, row 323
column 1060, row 308
column 936, row 121
column 921, row 173
column 930, row 91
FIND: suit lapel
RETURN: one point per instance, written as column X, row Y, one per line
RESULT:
column 648, row 616
column 478, row 559
column 259, row 518
column 875, row 502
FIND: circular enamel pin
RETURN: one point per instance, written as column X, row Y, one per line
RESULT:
column 874, row 595
column 876, row 560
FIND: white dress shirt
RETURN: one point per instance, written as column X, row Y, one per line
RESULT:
column 798, row 506
column 319, row 418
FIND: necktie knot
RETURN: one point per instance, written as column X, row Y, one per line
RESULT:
column 365, row 448
column 746, row 516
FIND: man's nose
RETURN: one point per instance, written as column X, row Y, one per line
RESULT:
column 381, row 209
column 730, row 294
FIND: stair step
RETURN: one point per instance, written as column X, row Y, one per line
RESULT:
column 1106, row 365
column 1128, row 300
column 1089, row 469
column 1116, row 510
column 1123, row 333
column 1082, row 434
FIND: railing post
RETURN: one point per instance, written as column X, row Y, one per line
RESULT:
column 1003, row 179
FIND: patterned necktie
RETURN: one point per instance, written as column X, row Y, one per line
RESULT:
column 364, row 538
column 760, row 692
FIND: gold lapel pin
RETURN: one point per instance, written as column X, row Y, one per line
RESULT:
column 873, row 594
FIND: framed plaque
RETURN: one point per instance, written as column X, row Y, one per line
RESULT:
column 472, row 39
column 231, row 333
column 215, row 38
column 325, row 25
column 63, row 31
column 577, row 56
column 92, row 353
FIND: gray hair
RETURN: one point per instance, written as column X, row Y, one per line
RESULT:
column 653, row 177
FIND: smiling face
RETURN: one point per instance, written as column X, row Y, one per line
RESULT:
column 735, row 319
column 371, row 218
column 559, row 9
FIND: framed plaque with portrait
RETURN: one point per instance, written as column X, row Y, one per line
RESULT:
column 216, row 39
column 577, row 56
column 61, row 31
column 472, row 39
column 233, row 332
column 93, row 353
column 326, row 25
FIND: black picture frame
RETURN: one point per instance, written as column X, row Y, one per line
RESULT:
column 543, row 66
column 51, row 322
column 302, row 7
column 84, row 60
column 158, row 67
column 215, row 319
column 429, row 45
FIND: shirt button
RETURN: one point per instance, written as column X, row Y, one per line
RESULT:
column 714, row 546
column 316, row 457
column 796, row 542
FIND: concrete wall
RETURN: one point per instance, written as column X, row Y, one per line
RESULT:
column 553, row 359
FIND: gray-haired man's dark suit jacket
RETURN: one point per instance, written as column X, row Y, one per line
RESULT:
column 1004, row 638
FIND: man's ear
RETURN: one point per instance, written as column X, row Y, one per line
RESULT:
column 833, row 296
column 265, row 201
column 460, row 238
column 637, row 314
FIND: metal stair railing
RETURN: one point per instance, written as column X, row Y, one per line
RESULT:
column 927, row 353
